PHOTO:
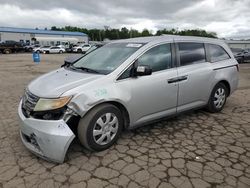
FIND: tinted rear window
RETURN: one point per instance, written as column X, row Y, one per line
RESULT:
column 191, row 53
column 217, row 53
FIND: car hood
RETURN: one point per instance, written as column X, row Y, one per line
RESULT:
column 54, row 84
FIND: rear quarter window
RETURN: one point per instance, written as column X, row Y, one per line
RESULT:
column 217, row 53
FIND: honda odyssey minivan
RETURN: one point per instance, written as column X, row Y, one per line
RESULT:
column 123, row 85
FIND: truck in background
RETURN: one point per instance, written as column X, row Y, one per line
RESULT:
column 10, row 46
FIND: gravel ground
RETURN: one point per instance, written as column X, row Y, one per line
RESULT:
column 197, row 149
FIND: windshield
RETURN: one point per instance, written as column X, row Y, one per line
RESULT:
column 107, row 58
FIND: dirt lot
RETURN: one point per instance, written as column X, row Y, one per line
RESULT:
column 197, row 149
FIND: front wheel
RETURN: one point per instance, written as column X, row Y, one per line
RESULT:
column 218, row 98
column 101, row 127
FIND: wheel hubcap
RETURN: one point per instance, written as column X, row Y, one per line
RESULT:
column 219, row 97
column 105, row 128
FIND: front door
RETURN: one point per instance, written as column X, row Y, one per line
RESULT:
column 153, row 96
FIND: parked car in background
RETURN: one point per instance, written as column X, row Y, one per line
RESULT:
column 29, row 48
column 123, row 85
column 61, row 46
column 70, row 48
column 245, row 55
column 241, row 55
column 53, row 50
column 10, row 46
column 40, row 49
column 237, row 52
column 94, row 47
column 81, row 48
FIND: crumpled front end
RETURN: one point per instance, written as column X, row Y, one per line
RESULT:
column 48, row 139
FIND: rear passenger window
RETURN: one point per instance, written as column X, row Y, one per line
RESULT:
column 191, row 53
column 158, row 58
column 217, row 53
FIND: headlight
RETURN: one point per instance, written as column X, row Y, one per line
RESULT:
column 51, row 104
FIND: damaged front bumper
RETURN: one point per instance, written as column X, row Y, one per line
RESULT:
column 49, row 139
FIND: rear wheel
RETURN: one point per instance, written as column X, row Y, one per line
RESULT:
column 60, row 52
column 218, row 98
column 79, row 51
column 101, row 127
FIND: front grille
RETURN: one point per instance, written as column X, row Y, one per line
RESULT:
column 29, row 103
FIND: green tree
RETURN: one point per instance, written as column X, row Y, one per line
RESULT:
column 124, row 33
column 145, row 33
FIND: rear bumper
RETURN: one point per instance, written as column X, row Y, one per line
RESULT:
column 48, row 139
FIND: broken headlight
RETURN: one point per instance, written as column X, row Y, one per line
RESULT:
column 51, row 104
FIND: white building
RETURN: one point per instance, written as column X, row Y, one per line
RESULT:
column 242, row 44
column 42, row 37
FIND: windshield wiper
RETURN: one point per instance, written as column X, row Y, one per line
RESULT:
column 86, row 69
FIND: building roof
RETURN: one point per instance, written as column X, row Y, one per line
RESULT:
column 238, row 41
column 40, row 31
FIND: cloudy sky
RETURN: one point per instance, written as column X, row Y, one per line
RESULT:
column 228, row 18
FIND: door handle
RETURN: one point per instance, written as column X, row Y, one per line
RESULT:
column 172, row 80
column 181, row 78
column 177, row 79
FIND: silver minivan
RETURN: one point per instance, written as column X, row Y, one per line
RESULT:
column 123, row 85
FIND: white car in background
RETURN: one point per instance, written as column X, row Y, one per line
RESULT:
column 81, row 48
column 53, row 50
column 40, row 49
column 61, row 46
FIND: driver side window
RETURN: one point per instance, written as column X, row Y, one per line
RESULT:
column 158, row 58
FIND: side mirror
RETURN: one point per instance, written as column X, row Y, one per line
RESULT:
column 71, row 60
column 143, row 70
column 66, row 63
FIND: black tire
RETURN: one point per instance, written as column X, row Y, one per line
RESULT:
column 211, row 103
column 60, row 52
column 88, row 122
column 7, row 51
column 79, row 51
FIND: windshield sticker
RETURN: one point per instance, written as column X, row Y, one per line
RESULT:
column 134, row 45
